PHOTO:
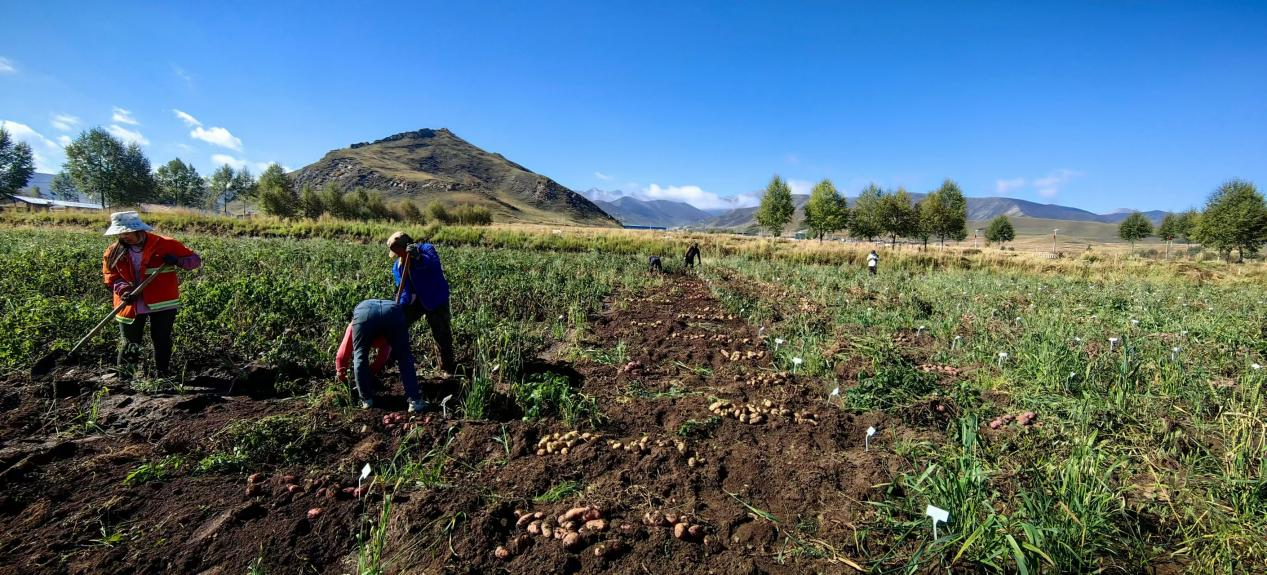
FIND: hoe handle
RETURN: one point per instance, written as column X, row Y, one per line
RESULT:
column 116, row 309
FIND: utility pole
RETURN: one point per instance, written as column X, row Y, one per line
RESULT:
column 1053, row 240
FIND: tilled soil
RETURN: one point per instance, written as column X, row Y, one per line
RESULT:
column 767, row 474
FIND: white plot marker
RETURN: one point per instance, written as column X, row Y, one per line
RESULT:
column 1002, row 358
column 937, row 514
column 954, row 344
column 365, row 472
column 1112, row 343
column 1174, row 354
column 444, row 405
column 836, row 392
column 1255, row 366
column 866, row 441
column 796, row 362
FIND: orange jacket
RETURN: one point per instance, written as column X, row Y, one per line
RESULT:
column 162, row 293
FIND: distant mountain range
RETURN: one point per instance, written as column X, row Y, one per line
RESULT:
column 633, row 211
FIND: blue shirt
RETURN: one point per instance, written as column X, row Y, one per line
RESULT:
column 426, row 279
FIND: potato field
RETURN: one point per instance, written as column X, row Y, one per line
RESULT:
column 760, row 414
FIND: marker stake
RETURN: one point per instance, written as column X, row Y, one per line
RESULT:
column 866, row 442
column 937, row 514
column 365, row 472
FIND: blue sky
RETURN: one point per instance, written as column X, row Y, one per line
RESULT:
column 1147, row 105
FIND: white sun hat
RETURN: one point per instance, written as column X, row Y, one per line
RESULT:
column 124, row 222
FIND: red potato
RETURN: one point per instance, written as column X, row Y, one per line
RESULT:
column 523, row 521
column 252, row 490
column 680, row 531
column 573, row 514
column 502, row 553
column 288, row 479
column 534, row 528
column 547, row 532
column 255, row 478
column 314, row 513
column 596, row 525
column 294, row 489
column 593, row 513
column 695, row 531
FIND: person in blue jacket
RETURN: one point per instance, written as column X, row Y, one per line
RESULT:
column 422, row 291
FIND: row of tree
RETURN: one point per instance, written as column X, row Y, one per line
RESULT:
column 119, row 174
column 1234, row 219
column 941, row 214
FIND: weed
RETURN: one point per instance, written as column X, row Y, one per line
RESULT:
column 154, row 470
column 558, row 492
column 549, row 394
column 698, row 429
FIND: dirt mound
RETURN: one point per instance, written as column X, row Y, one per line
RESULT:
column 705, row 460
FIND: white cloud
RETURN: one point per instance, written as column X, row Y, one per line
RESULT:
column 64, row 140
column 603, row 177
column 1045, row 187
column 128, row 136
column 7, row 67
column 800, row 187
column 239, row 163
column 1005, row 186
column 695, row 196
column 47, row 154
column 186, row 118
column 122, row 116
column 183, row 75
column 217, row 136
column 65, row 122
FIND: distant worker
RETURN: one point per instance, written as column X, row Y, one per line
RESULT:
column 653, row 264
column 692, row 255
column 374, row 320
column 873, row 260
column 423, row 291
column 136, row 254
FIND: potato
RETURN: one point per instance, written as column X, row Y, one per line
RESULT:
column 691, row 462
column 572, row 514
column 534, row 528
column 573, row 541
column 596, row 525
column 672, row 517
column 564, row 451
column 523, row 520
column 501, row 553
column 592, row 514
column 695, row 531
column 680, row 531
column 314, row 513
column 255, row 478
column 547, row 532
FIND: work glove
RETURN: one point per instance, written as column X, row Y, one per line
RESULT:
column 413, row 251
column 124, row 291
column 171, row 260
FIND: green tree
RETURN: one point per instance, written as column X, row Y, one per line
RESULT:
column 1235, row 218
column 180, row 185
column 865, row 221
column 1168, row 230
column 63, row 189
column 897, row 216
column 436, row 212
column 16, row 165
column 332, row 202
column 277, row 193
column 220, row 187
column 1000, row 230
column 310, row 205
column 826, row 211
column 99, row 164
column 776, row 209
column 944, row 213
column 1185, row 224
column 244, row 187
column 408, row 211
column 1134, row 228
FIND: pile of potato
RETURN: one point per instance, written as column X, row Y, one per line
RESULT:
column 683, row 528
column 767, row 378
column 688, row 336
column 940, row 369
column 1025, row 419
column 562, row 443
column 702, row 317
column 632, row 446
column 575, row 528
column 636, row 323
column 738, row 355
column 758, row 414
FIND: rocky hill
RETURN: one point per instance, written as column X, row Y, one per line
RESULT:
column 436, row 165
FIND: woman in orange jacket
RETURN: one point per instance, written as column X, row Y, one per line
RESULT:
column 136, row 255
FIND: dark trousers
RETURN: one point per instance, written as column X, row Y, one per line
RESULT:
column 871, row 269
column 131, row 339
column 440, row 320
column 372, row 319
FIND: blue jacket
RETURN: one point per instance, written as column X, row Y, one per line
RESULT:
column 426, row 278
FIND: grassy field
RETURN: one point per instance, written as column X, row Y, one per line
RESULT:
column 1071, row 415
